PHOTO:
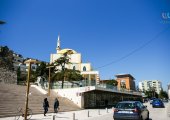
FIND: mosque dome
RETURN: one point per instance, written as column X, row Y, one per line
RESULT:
column 67, row 50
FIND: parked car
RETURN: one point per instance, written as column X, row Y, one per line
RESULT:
column 131, row 110
column 157, row 103
column 164, row 100
column 151, row 100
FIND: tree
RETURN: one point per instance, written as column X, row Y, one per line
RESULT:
column 163, row 94
column 21, row 78
column 18, row 75
column 112, row 82
column 41, row 70
column 6, row 58
column 67, row 75
column 148, row 93
column 73, row 75
column 61, row 62
column 151, row 93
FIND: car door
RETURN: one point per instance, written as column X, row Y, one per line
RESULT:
column 144, row 111
column 141, row 109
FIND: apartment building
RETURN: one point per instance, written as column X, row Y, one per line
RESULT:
column 169, row 90
column 147, row 85
column 18, row 62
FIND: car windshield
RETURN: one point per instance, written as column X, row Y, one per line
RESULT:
column 157, row 101
column 125, row 105
column 152, row 98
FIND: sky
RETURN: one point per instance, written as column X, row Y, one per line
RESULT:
column 115, row 36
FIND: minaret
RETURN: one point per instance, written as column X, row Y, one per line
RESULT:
column 58, row 44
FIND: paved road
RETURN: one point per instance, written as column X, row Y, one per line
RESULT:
column 160, row 113
column 155, row 114
column 79, row 115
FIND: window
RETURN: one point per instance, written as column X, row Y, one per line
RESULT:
column 126, row 106
column 33, row 67
column 138, row 104
column 84, row 68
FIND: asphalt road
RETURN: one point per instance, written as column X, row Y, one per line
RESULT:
column 155, row 113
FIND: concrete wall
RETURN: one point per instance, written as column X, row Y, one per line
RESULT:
column 75, row 94
column 7, row 76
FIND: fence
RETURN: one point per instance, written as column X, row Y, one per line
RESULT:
column 84, row 83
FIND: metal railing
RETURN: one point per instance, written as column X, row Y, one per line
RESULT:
column 85, row 83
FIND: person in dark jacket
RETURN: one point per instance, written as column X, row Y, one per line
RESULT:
column 56, row 105
column 46, row 106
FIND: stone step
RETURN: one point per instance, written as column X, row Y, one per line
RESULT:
column 13, row 96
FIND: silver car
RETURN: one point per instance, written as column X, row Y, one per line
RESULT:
column 130, row 110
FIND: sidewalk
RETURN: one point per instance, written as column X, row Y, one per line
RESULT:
column 79, row 115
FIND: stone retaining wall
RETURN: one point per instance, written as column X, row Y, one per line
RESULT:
column 7, row 76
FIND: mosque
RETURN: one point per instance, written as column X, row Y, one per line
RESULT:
column 92, row 94
column 76, row 63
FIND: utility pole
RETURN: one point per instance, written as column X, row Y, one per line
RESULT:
column 49, row 80
column 28, row 85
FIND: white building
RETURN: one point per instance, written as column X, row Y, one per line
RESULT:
column 17, row 61
column 169, row 91
column 76, row 62
column 33, row 65
column 147, row 85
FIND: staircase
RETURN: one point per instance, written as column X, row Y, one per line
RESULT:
column 13, row 96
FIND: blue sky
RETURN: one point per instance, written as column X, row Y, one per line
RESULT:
column 103, row 31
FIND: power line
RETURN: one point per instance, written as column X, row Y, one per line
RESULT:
column 135, row 50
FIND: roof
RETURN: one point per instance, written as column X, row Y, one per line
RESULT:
column 67, row 50
column 124, row 75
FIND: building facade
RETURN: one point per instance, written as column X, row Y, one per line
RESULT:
column 125, row 81
column 147, row 85
column 76, row 63
column 169, row 91
column 17, row 61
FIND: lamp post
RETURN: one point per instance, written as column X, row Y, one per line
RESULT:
column 28, row 85
column 49, row 79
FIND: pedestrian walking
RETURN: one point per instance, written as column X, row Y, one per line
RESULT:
column 56, row 105
column 45, row 106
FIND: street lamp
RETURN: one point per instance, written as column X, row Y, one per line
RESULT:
column 28, row 85
column 49, row 79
